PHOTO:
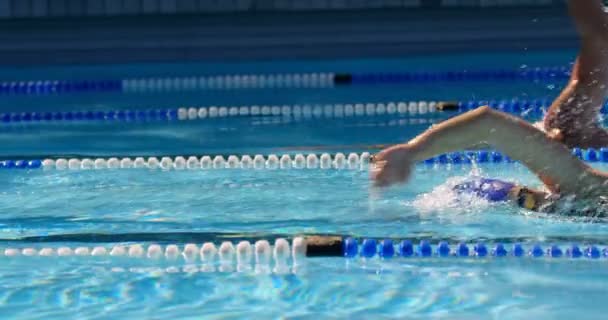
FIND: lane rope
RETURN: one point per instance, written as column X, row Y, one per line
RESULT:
column 218, row 112
column 297, row 111
column 262, row 252
column 276, row 80
column 326, row 161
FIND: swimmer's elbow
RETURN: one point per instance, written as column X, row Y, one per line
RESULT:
column 485, row 113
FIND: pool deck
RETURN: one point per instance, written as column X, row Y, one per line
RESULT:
column 287, row 35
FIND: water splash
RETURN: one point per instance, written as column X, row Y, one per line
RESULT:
column 444, row 199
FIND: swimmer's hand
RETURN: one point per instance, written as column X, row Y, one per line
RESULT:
column 391, row 166
column 555, row 134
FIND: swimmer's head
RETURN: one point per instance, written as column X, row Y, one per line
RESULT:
column 490, row 189
column 526, row 198
column 496, row 190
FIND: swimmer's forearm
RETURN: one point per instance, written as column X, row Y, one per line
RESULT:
column 458, row 133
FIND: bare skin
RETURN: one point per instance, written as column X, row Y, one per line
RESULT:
column 572, row 118
column 550, row 160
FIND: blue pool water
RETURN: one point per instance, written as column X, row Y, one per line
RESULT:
column 108, row 208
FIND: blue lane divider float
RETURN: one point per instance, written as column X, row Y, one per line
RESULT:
column 527, row 74
column 325, row 161
column 80, row 116
column 59, row 87
column 406, row 249
column 20, row 164
column 261, row 81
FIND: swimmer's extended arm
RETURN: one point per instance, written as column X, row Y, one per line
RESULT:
column 551, row 161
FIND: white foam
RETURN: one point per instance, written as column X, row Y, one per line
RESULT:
column 443, row 199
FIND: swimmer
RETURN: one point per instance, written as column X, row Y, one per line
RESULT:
column 573, row 116
column 563, row 174
column 571, row 121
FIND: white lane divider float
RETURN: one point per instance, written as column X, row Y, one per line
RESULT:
column 353, row 161
column 229, row 82
column 339, row 110
column 262, row 255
